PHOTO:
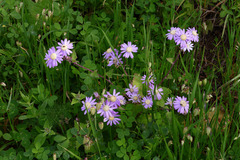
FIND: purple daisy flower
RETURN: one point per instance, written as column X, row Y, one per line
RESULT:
column 135, row 98
column 150, row 80
column 169, row 101
column 64, row 47
column 158, row 93
column 114, row 98
column 147, row 102
column 182, row 37
column 112, row 120
column 132, row 89
column 181, row 105
column 89, row 103
column 109, row 53
column 172, row 33
column 53, row 57
column 122, row 100
column 127, row 49
column 193, row 32
column 115, row 60
column 107, row 109
column 188, row 47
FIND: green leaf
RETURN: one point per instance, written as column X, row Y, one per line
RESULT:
column 80, row 19
column 7, row 136
column 59, row 138
column 15, row 15
column 119, row 154
column 57, row 26
column 121, row 142
column 39, row 140
column 88, row 80
column 170, row 60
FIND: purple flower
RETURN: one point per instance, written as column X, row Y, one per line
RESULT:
column 112, row 120
column 115, row 60
column 122, row 100
column 182, row 38
column 109, row 53
column 132, row 89
column 169, row 101
column 193, row 32
column 64, row 47
column 106, row 109
column 114, row 98
column 150, row 80
column 181, row 105
column 53, row 57
column 147, row 102
column 158, row 94
column 127, row 49
column 188, row 47
column 89, row 103
column 172, row 33
column 135, row 98
column 96, row 95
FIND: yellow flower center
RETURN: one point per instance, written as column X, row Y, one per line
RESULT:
column 135, row 98
column 88, row 105
column 109, row 50
column 173, row 32
column 106, row 108
column 183, row 103
column 111, row 118
column 183, row 37
column 129, row 49
column 147, row 101
column 53, row 56
column 131, row 90
column 113, row 98
column 115, row 61
column 64, row 47
column 194, row 33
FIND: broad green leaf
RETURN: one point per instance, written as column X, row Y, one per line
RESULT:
column 39, row 140
column 59, row 138
column 7, row 136
column 15, row 15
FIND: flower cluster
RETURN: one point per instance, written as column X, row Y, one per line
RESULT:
column 107, row 106
column 184, row 38
column 180, row 104
column 53, row 57
column 114, row 57
column 147, row 102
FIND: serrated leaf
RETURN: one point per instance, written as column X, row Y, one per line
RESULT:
column 80, row 19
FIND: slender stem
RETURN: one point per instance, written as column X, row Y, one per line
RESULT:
column 170, row 68
column 69, row 59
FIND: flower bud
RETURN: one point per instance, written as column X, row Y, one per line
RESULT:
column 54, row 156
column 86, row 139
column 44, row 24
column 205, row 81
column 189, row 137
column 87, row 147
column 182, row 142
column 170, row 143
column 93, row 110
column 196, row 112
column 3, row 84
column 98, row 105
column 50, row 13
column 96, row 95
column 185, row 129
column 103, row 92
column 179, row 79
column 43, row 11
column 46, row 17
column 39, row 36
column 209, row 96
column 200, row 83
column 21, row 4
column 208, row 130
column 20, row 73
column 17, row 9
column 37, row 16
column 101, row 125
